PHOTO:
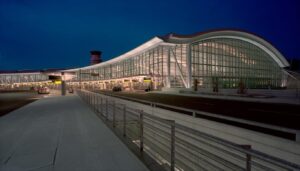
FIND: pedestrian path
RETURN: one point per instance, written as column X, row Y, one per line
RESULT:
column 61, row 134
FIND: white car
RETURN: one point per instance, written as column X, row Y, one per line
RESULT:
column 44, row 90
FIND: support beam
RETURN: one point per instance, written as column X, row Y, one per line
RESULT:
column 168, row 82
column 63, row 84
column 189, row 66
column 180, row 70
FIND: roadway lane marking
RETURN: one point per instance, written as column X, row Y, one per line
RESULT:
column 33, row 98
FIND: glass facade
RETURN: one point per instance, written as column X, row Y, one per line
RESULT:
column 178, row 66
column 151, row 63
column 165, row 65
column 223, row 62
column 230, row 62
column 22, row 78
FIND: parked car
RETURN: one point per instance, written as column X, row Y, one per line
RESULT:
column 147, row 89
column 117, row 88
column 43, row 90
column 34, row 88
column 71, row 90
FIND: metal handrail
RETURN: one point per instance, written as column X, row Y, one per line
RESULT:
column 204, row 151
column 195, row 134
column 237, row 147
column 290, row 73
column 218, row 116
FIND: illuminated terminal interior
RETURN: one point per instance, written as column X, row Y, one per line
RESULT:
column 218, row 59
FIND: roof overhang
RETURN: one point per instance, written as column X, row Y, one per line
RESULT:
column 154, row 42
column 233, row 34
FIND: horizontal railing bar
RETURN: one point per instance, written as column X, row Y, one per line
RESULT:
column 189, row 167
column 157, row 134
column 132, row 133
column 203, row 159
column 256, row 164
column 133, row 110
column 167, row 121
column 209, row 154
column 212, row 146
column 156, row 142
column 259, row 157
column 151, row 120
column 154, row 128
column 132, row 117
column 253, row 123
column 262, row 156
column 160, row 151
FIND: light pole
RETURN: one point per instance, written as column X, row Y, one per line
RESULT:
column 63, row 84
column 80, row 79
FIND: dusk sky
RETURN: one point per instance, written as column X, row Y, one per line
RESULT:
column 38, row 34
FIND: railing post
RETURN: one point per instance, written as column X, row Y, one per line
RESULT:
column 172, row 160
column 141, row 131
column 101, row 106
column 124, row 120
column 90, row 98
column 97, row 104
column 248, row 157
column 87, row 97
column 114, row 113
column 297, row 136
column 106, row 110
column 94, row 101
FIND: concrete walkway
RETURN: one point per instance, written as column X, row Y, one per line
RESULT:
column 61, row 133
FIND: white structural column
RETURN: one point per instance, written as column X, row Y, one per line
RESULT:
column 168, row 68
column 80, row 86
column 179, row 68
column 63, row 84
column 189, row 66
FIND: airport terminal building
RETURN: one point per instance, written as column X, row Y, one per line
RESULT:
column 225, row 59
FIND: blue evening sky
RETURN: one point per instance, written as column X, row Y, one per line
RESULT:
column 37, row 34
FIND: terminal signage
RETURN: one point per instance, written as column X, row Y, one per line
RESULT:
column 147, row 79
column 57, row 82
column 54, row 77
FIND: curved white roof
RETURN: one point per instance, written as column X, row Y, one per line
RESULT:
column 172, row 39
column 233, row 34
column 154, row 42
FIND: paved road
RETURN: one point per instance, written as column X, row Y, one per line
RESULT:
column 10, row 101
column 286, row 115
column 61, row 133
